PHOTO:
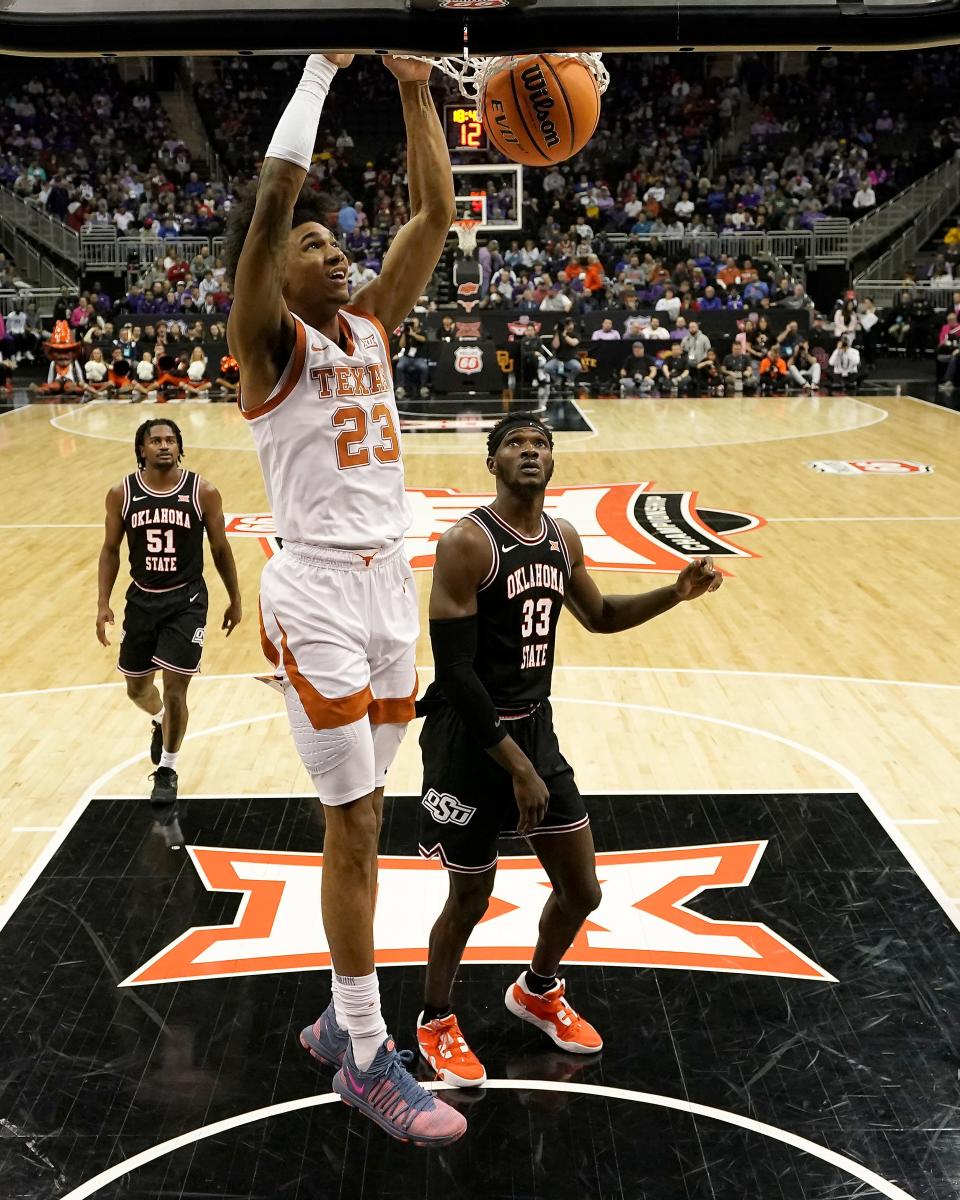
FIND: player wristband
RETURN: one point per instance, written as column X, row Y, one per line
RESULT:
column 296, row 133
column 454, row 650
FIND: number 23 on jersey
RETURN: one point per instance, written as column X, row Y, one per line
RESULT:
column 352, row 447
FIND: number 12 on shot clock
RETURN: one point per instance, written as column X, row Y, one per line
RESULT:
column 464, row 128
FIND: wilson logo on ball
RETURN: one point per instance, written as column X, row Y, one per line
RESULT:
column 541, row 103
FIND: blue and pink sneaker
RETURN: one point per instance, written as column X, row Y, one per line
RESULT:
column 389, row 1095
column 325, row 1040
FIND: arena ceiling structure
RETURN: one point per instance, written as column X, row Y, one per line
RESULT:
column 91, row 28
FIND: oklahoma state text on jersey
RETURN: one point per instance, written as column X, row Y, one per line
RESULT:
column 164, row 532
column 328, row 439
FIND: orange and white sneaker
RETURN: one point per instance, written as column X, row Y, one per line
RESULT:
column 558, row 1019
column 446, row 1050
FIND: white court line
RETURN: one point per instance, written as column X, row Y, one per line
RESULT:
column 35, row 828
column 930, row 404
column 917, row 821
column 427, row 668
column 41, row 525
column 848, row 1166
column 576, row 441
column 856, row 783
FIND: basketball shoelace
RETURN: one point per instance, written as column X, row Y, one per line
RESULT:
column 407, row 1093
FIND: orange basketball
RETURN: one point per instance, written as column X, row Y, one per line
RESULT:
column 542, row 110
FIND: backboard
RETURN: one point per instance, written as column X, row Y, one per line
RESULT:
column 491, row 193
column 94, row 27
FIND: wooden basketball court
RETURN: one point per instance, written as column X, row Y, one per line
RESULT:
column 821, row 680
column 829, row 659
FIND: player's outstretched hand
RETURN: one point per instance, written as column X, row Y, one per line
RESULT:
column 697, row 578
column 407, row 70
column 531, row 794
column 232, row 617
column 104, row 618
column 340, row 60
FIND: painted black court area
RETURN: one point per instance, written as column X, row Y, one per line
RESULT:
column 865, row 1067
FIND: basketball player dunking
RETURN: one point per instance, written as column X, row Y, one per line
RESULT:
column 162, row 510
column 338, row 603
column 491, row 763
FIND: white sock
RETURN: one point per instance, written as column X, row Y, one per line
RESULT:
column 169, row 759
column 357, row 1005
column 157, row 717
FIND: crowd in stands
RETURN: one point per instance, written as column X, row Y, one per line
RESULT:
column 679, row 150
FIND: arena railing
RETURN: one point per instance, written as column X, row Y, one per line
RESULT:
column 32, row 265
column 49, row 232
column 903, row 207
column 99, row 250
column 42, row 300
column 886, row 271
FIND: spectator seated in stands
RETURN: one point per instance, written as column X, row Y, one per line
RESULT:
column 564, row 366
column 95, row 374
column 738, row 370
column 228, row 381
column 119, row 375
column 804, row 369
column 639, row 371
column 869, row 321
column 412, row 361
column 844, row 367
column 899, row 322
column 772, row 371
column 674, row 375
column 170, row 375
column 707, row 375
column 145, row 384
column 606, row 332
column 196, row 384
column 948, row 352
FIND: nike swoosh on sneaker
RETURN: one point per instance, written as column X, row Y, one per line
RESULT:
column 351, row 1079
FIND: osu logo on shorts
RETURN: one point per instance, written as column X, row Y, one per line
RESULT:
column 446, row 809
column 198, row 636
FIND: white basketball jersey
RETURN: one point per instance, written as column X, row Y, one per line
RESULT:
column 328, row 438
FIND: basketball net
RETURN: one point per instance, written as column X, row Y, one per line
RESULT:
column 471, row 74
column 466, row 231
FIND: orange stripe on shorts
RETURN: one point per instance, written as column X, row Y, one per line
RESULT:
column 323, row 712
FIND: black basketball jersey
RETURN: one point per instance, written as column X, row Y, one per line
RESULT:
column 518, row 606
column 164, row 533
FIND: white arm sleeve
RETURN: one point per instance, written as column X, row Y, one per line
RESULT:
column 296, row 133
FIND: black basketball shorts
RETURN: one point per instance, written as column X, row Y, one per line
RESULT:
column 163, row 630
column 467, row 803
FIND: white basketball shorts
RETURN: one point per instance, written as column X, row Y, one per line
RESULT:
column 340, row 628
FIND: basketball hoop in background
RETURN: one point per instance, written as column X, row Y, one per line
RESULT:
column 537, row 109
column 466, row 231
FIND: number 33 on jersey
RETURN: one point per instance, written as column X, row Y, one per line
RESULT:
column 328, row 439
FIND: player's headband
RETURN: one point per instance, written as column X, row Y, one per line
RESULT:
column 516, row 421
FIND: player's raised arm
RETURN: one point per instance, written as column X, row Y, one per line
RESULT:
column 463, row 560
column 260, row 330
column 109, row 562
column 613, row 614
column 416, row 249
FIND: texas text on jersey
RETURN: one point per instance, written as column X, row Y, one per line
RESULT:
column 164, row 532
